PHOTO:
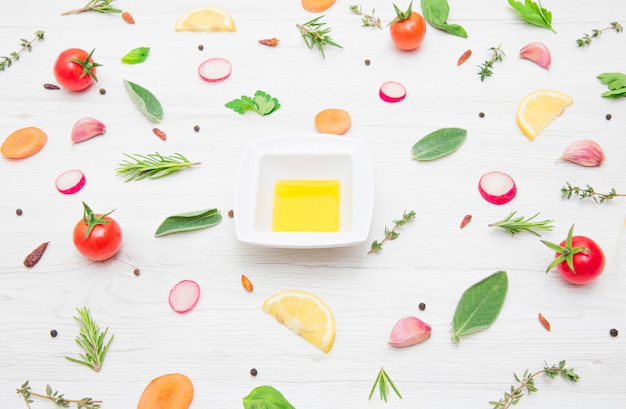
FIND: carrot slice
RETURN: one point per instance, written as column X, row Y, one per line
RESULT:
column 333, row 121
column 315, row 6
column 170, row 391
column 23, row 143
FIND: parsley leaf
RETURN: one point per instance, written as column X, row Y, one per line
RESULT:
column 616, row 82
column 262, row 103
column 533, row 13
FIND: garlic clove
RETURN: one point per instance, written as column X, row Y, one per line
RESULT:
column 538, row 53
column 87, row 128
column 409, row 331
column 584, row 152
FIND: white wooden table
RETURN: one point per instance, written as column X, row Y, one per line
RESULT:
column 433, row 261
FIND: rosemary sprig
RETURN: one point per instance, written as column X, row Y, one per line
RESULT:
column 101, row 6
column 487, row 66
column 58, row 399
column 392, row 234
column 152, row 166
column 367, row 20
column 92, row 340
column 587, row 38
column 316, row 36
column 6, row 62
column 384, row 381
column 519, row 224
column 527, row 382
column 568, row 191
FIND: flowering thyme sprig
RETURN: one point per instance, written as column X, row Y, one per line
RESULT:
column 527, row 382
column 568, row 191
column 487, row 66
column 367, row 20
column 392, row 234
column 314, row 35
column 58, row 399
column 6, row 62
column 587, row 38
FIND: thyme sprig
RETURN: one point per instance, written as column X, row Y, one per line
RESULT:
column 101, row 6
column 527, row 383
column 519, row 224
column 589, row 192
column 152, row 166
column 58, row 399
column 487, row 66
column 92, row 340
column 367, row 20
column 7, row 61
column 315, row 35
column 587, row 38
column 392, row 234
column 383, row 381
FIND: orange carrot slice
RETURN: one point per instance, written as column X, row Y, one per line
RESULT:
column 333, row 121
column 315, row 6
column 170, row 391
column 23, row 143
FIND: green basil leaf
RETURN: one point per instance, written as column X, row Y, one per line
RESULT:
column 136, row 56
column 438, row 143
column 196, row 220
column 480, row 305
column 145, row 101
column 533, row 13
column 266, row 397
column 436, row 13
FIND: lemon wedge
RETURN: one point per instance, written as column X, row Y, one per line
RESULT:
column 538, row 109
column 208, row 18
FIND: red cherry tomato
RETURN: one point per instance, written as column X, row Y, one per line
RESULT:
column 408, row 29
column 582, row 253
column 97, row 237
column 75, row 69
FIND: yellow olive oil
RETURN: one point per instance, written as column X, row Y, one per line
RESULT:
column 308, row 205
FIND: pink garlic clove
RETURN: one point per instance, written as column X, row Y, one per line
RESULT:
column 87, row 128
column 409, row 331
column 584, row 152
column 538, row 53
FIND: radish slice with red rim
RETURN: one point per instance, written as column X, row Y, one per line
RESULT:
column 392, row 91
column 184, row 296
column 215, row 69
column 70, row 181
column 497, row 187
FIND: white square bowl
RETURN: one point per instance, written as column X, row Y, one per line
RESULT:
column 266, row 161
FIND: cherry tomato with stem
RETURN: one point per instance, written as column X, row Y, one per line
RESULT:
column 578, row 259
column 407, row 29
column 75, row 69
column 97, row 237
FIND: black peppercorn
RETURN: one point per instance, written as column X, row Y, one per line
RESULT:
column 54, row 333
column 18, row 212
column 422, row 306
column 136, row 272
column 608, row 117
column 102, row 91
column 200, row 47
column 482, row 114
column 196, row 128
column 614, row 332
column 253, row 371
column 367, row 61
column 231, row 213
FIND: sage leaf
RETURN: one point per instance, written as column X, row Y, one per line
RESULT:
column 616, row 82
column 436, row 13
column 266, row 397
column 145, row 101
column 136, row 55
column 533, row 13
column 438, row 143
column 196, row 220
column 480, row 305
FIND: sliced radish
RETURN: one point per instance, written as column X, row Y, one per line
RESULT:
column 497, row 187
column 215, row 69
column 392, row 91
column 70, row 181
column 184, row 296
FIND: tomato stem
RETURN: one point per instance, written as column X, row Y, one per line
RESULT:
column 566, row 252
column 88, row 65
column 402, row 15
column 93, row 219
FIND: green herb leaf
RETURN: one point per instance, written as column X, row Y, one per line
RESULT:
column 616, row 82
column 480, row 305
column 196, row 220
column 262, row 103
column 436, row 13
column 145, row 101
column 136, row 55
column 533, row 13
column 438, row 143
column 266, row 397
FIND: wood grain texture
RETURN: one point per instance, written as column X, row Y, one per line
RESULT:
column 433, row 261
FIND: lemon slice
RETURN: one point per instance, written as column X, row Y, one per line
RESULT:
column 207, row 18
column 538, row 109
column 305, row 314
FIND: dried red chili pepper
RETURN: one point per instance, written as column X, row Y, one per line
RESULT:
column 272, row 42
column 35, row 255
column 466, row 219
column 128, row 18
column 544, row 322
column 159, row 133
column 247, row 284
column 464, row 57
